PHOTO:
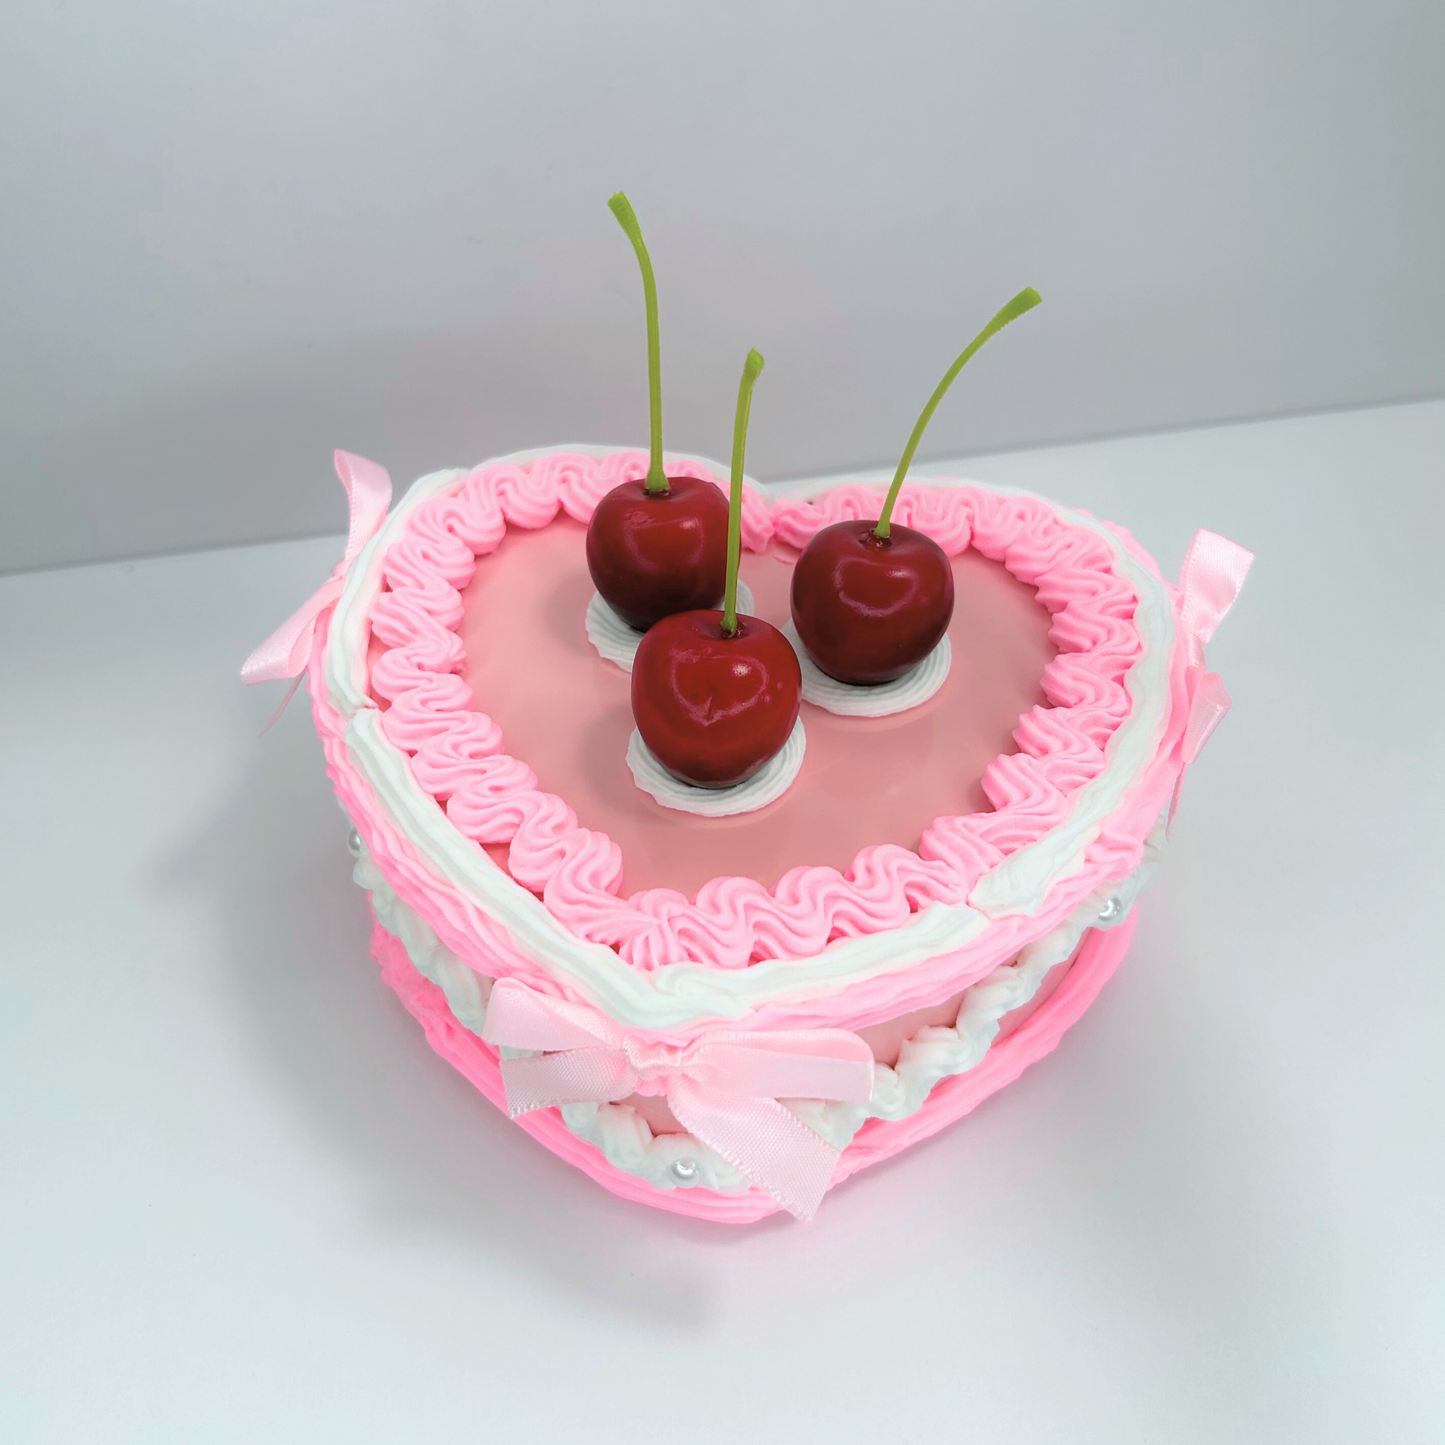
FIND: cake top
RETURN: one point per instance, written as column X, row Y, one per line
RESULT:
column 1074, row 804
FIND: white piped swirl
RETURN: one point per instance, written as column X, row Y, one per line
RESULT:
column 916, row 685
column 616, row 642
column 930, row 1056
column 765, row 786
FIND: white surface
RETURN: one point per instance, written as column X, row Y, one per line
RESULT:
column 239, row 235
column 244, row 1201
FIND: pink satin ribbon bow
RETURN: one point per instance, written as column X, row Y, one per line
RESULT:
column 1209, row 582
column 723, row 1088
column 285, row 652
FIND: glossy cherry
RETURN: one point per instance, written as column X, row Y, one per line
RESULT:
column 659, row 545
column 653, row 553
column 715, row 707
column 871, row 600
column 716, row 694
column 868, row 608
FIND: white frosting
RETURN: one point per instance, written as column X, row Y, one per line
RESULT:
column 931, row 1055
column 617, row 642
column 1022, row 881
column 467, row 991
column 765, row 786
column 916, row 685
column 686, row 992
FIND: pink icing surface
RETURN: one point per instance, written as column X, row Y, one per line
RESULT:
column 496, row 799
column 1077, row 986
column 529, row 666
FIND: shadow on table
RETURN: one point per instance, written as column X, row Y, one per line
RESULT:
column 430, row 1154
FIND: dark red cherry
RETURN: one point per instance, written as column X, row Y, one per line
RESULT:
column 868, row 608
column 655, row 553
column 714, row 708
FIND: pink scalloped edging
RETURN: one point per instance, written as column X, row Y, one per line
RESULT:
column 478, row 939
column 493, row 799
column 1098, row 955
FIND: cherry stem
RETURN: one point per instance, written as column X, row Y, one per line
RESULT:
column 621, row 207
column 1026, row 300
column 751, row 367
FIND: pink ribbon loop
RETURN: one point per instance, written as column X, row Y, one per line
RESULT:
column 285, row 653
column 1209, row 583
column 723, row 1087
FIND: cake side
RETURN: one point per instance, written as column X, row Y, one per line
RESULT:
column 674, row 1171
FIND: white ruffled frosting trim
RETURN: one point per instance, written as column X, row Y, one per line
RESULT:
column 930, row 1056
column 616, row 642
column 916, row 685
column 765, row 786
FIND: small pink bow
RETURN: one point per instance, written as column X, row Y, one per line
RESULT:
column 1209, row 582
column 723, row 1088
column 285, row 652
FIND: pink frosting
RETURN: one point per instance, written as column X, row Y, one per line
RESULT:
column 1098, row 955
column 492, row 798
column 863, row 781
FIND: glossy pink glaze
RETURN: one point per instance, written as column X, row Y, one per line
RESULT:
column 863, row 781
column 715, row 706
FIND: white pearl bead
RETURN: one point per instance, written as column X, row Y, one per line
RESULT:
column 353, row 843
column 1111, row 910
column 684, row 1170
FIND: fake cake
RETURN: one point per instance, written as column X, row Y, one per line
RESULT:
column 721, row 984
column 952, row 892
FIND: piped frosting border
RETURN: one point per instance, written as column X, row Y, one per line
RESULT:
column 1074, row 806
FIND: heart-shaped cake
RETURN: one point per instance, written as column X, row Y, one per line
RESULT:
column 727, row 1015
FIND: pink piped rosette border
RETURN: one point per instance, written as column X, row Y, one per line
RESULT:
column 457, row 753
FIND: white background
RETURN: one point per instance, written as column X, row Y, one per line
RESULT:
column 244, row 1202
column 237, row 235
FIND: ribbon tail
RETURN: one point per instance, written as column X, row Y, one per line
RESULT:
column 1211, row 702
column 284, row 703
column 760, row 1139
column 1208, row 705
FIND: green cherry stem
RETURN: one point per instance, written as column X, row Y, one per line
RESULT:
column 1026, row 300
column 751, row 367
column 621, row 207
